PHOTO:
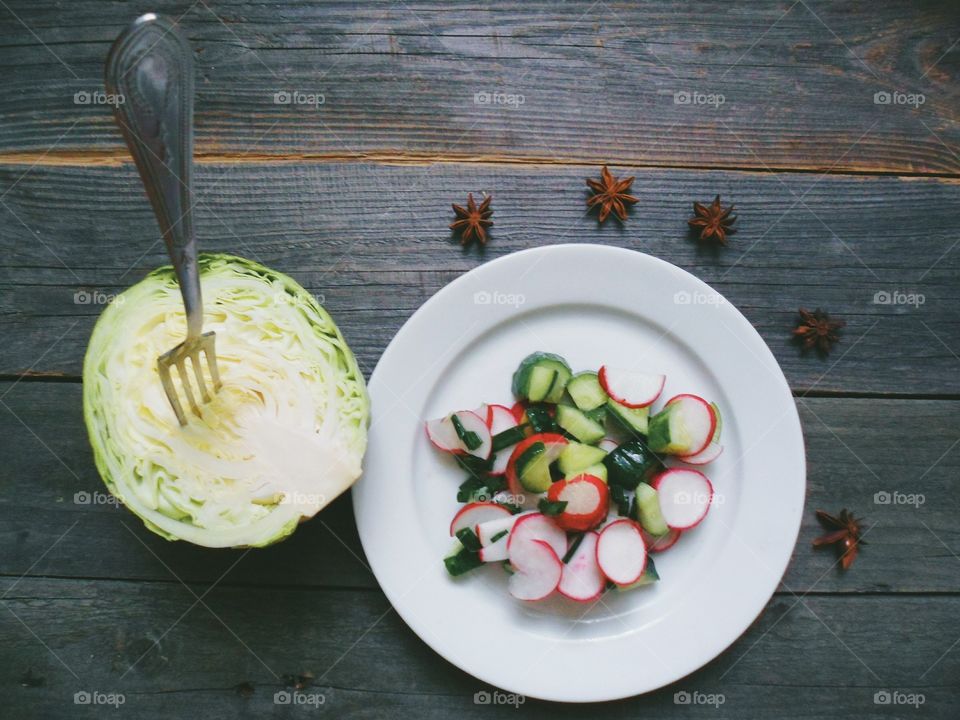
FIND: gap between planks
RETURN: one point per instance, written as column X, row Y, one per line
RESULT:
column 119, row 157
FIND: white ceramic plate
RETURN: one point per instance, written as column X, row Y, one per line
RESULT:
column 593, row 305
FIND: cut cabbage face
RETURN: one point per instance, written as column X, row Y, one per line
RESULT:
column 284, row 436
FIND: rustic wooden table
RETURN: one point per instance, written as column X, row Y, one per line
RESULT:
column 833, row 127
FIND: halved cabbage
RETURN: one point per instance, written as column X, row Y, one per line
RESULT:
column 285, row 435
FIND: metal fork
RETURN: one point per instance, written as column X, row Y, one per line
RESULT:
column 150, row 73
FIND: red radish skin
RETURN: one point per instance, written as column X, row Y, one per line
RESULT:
column 621, row 552
column 587, row 498
column 513, row 481
column 664, row 542
column 537, row 570
column 472, row 514
column 631, row 389
column 519, row 411
column 685, row 496
column 537, row 526
column 582, row 579
column 687, row 397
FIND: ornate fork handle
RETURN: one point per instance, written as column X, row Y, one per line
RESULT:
column 150, row 67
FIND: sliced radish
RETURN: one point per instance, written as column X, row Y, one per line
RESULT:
column 488, row 530
column 443, row 435
column 495, row 552
column 630, row 388
column 537, row 570
column 472, row 422
column 697, row 417
column 587, row 498
column 656, row 544
column 472, row 514
column 707, row 456
column 685, row 497
column 519, row 410
column 500, row 418
column 537, row 526
column 621, row 552
column 582, row 579
column 607, row 444
column 483, row 412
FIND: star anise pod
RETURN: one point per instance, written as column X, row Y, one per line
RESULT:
column 845, row 530
column 714, row 221
column 610, row 195
column 473, row 220
column 816, row 329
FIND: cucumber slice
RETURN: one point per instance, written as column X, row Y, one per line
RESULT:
column 533, row 469
column 648, row 510
column 540, row 419
column 577, row 456
column 508, row 438
column 716, row 431
column 586, row 391
column 634, row 420
column 579, row 425
column 541, row 376
column 539, row 382
column 599, row 470
column 631, row 464
column 461, row 560
column 598, row 415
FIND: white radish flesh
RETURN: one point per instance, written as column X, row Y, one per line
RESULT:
column 712, row 452
column 656, row 544
column 621, row 552
column 537, row 570
column 685, row 497
column 443, row 434
column 630, row 388
column 537, row 526
column 500, row 418
column 495, row 552
column 696, row 420
column 473, row 514
column 582, row 579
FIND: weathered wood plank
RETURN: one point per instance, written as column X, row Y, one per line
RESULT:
column 373, row 241
column 824, row 657
column 908, row 447
column 598, row 81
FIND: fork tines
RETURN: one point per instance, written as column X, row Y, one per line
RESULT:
column 189, row 352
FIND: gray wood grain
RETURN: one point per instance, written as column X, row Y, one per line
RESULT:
column 856, row 448
column 372, row 240
column 598, row 81
column 145, row 641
